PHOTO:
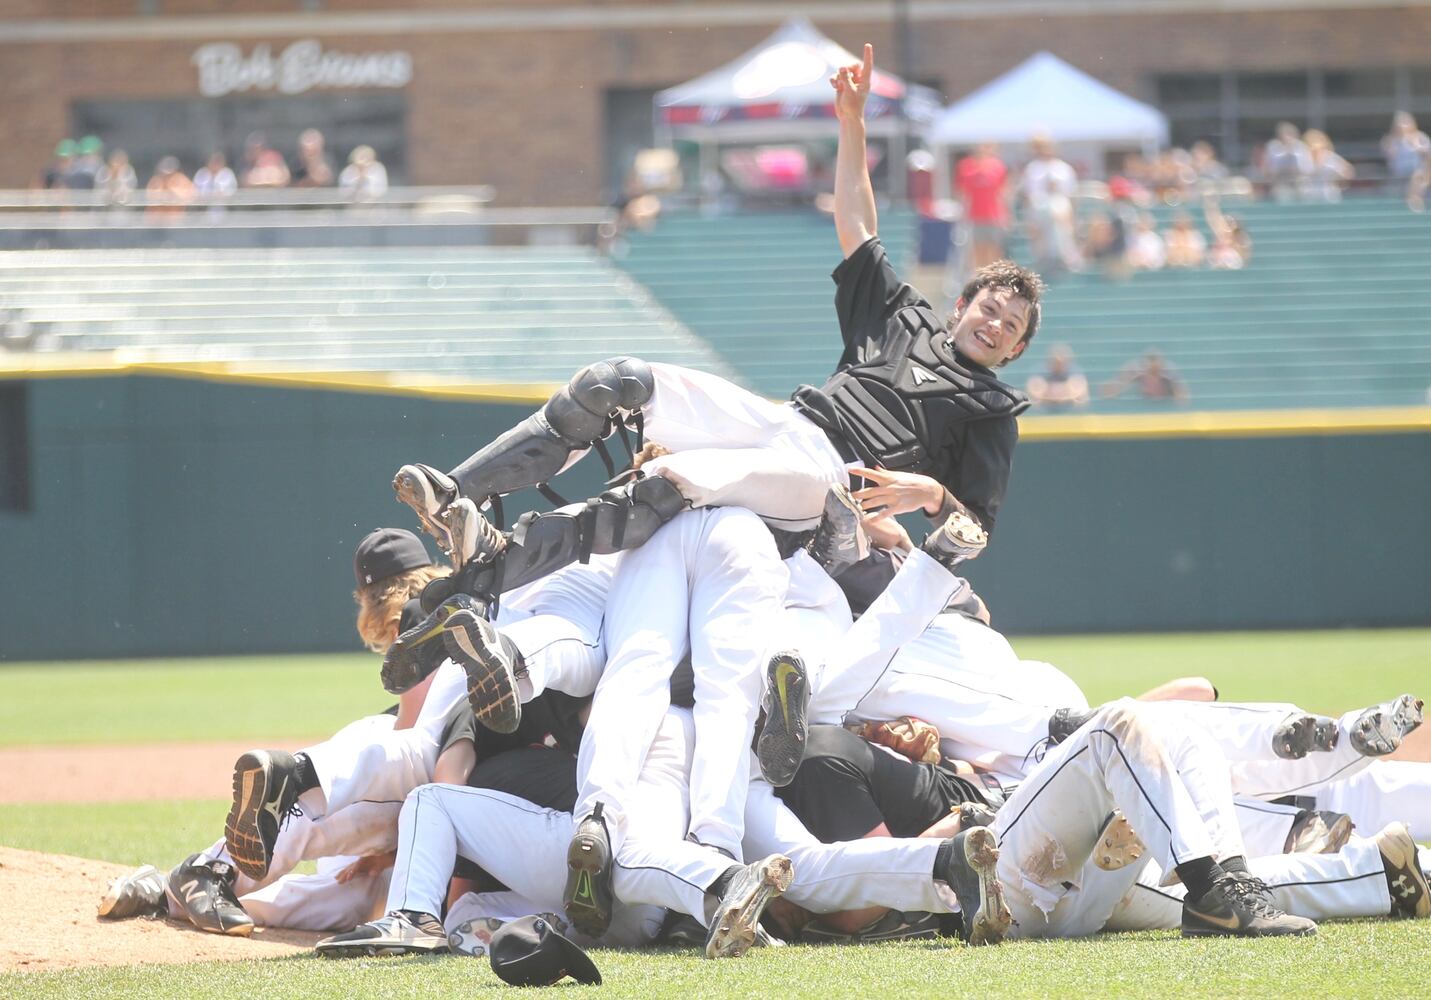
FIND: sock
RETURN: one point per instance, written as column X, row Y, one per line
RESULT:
column 1235, row 865
column 943, row 858
column 1198, row 875
column 722, row 882
column 307, row 776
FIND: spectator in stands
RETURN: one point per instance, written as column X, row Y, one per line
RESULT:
column 168, row 192
column 1171, row 176
column 88, row 162
column 1061, row 386
column 1047, row 190
column 1185, row 245
column 1286, row 163
column 364, row 178
column 1329, row 173
column 1420, row 183
column 314, row 170
column 1146, row 251
column 53, row 178
column 1153, row 377
column 1231, row 246
column 981, row 180
column 1206, row 167
column 215, row 184
column 263, row 167
column 1104, row 245
column 1405, row 148
column 118, row 181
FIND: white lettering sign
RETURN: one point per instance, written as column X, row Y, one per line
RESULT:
column 304, row 65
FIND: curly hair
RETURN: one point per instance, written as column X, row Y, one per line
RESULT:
column 380, row 604
column 1021, row 281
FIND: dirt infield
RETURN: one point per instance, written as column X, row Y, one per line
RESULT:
column 121, row 773
column 64, row 932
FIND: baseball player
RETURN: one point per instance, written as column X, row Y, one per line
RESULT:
column 912, row 394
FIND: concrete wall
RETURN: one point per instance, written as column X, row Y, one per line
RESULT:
column 174, row 516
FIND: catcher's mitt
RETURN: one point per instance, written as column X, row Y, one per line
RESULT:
column 907, row 736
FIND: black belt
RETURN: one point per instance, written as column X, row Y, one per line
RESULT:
column 842, row 445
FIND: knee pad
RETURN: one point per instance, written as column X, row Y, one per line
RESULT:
column 626, row 518
column 580, row 410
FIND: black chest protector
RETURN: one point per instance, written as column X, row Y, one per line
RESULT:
column 897, row 407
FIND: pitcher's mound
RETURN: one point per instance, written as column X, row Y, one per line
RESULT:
column 47, row 921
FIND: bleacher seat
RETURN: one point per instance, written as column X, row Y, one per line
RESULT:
column 484, row 315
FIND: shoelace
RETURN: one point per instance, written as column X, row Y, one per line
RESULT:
column 292, row 812
column 1255, row 895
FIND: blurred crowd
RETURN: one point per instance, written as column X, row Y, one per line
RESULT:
column 82, row 165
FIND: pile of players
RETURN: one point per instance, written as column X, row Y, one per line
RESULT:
column 645, row 716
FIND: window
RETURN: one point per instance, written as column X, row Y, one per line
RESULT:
column 14, row 446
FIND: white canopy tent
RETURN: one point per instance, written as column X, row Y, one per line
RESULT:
column 1046, row 95
column 779, row 91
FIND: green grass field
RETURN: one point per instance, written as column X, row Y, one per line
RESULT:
column 278, row 698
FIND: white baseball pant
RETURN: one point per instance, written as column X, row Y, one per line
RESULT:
column 556, row 622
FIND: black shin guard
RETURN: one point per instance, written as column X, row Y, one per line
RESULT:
column 579, row 415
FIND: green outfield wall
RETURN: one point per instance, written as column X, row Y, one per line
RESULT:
column 179, row 514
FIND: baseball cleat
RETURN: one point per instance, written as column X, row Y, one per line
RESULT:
column 473, row 538
column 957, row 540
column 265, row 795
column 419, row 651
column 427, row 492
column 1318, row 832
column 1299, row 735
column 204, row 889
column 734, row 926
column 1410, row 893
column 891, row 926
column 1066, row 721
column 138, row 894
column 1240, row 906
column 971, row 871
column 1118, row 844
column 972, row 814
column 588, row 896
column 1380, row 729
column 781, row 745
column 401, row 932
column 839, row 538
column 493, row 663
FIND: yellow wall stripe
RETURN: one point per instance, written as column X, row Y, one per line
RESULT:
column 1180, row 424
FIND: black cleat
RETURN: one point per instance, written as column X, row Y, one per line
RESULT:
column 839, row 538
column 1380, row 729
column 1299, row 735
column 734, row 928
column 971, row 872
column 781, row 745
column 891, row 926
column 588, row 896
column 427, row 492
column 204, row 889
column 420, row 650
column 1239, row 906
column 265, row 795
column 138, row 894
column 1410, row 893
column 1318, row 832
column 957, row 540
column 493, row 663
column 402, row 932
column 1067, row 721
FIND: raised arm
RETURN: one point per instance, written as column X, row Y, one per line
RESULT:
column 855, row 218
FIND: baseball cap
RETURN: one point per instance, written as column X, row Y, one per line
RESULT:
column 387, row 552
column 531, row 952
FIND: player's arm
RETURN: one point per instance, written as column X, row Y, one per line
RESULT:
column 855, row 217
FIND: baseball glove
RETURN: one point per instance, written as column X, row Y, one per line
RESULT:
column 907, row 736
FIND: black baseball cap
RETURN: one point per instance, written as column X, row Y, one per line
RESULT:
column 531, row 952
column 387, row 552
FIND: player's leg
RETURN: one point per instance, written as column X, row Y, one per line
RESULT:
column 318, row 902
column 1386, row 792
column 1170, row 784
column 737, row 596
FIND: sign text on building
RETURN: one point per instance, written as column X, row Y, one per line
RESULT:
column 303, row 65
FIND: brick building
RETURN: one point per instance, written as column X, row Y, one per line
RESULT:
column 546, row 99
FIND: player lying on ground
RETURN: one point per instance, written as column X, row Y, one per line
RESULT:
column 342, row 783
column 912, row 393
